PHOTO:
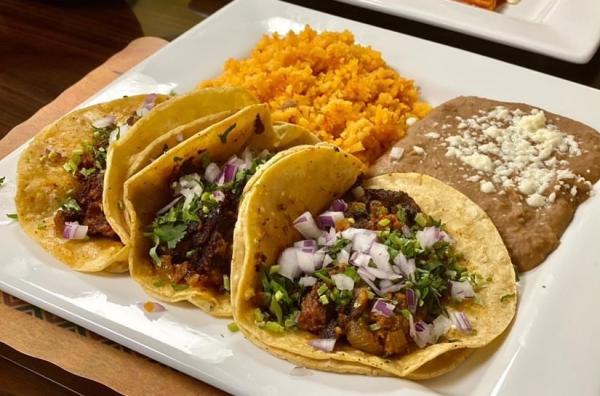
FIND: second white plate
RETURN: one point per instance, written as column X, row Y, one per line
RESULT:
column 564, row 29
column 551, row 348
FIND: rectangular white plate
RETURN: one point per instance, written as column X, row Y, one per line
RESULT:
column 552, row 347
column 563, row 29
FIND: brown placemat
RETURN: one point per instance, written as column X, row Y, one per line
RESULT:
column 35, row 332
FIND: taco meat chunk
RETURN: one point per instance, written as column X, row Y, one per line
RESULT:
column 87, row 166
column 193, row 234
column 374, row 272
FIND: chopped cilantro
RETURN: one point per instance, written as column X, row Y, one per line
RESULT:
column 170, row 233
column 179, row 287
column 87, row 172
column 159, row 283
column 233, row 327
column 507, row 297
column 273, row 327
column 224, row 135
column 71, row 205
column 12, row 216
column 226, row 285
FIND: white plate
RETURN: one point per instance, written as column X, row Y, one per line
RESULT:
column 564, row 29
column 552, row 347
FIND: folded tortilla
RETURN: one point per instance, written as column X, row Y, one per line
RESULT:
column 43, row 185
column 148, row 191
column 171, row 123
column 308, row 179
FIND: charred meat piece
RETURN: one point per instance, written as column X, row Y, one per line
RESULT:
column 89, row 199
column 313, row 314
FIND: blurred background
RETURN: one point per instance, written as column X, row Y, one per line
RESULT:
column 47, row 45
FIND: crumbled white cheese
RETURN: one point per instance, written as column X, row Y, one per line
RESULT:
column 487, row 187
column 396, row 153
column 479, row 161
column 536, row 200
column 432, row 135
column 410, row 121
column 515, row 149
column 573, row 191
column 419, row 150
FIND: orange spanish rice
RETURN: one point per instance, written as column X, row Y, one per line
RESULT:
column 325, row 82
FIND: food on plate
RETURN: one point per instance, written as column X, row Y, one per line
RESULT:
column 529, row 169
column 166, row 126
column 395, row 275
column 329, row 84
column 489, row 4
column 184, row 205
column 61, row 183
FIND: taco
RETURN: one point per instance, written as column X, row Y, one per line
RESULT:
column 183, row 207
column 61, row 182
column 168, row 125
column 398, row 275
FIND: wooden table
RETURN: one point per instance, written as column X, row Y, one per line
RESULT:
column 47, row 46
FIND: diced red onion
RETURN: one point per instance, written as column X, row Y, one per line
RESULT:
column 424, row 334
column 323, row 344
column 104, row 122
column 362, row 271
column 307, row 281
column 461, row 321
column 306, row 261
column 393, row 288
column 411, row 300
column 406, row 230
column 428, row 236
column 168, row 206
column 380, row 256
column 288, row 264
column 150, row 101
column 339, row 205
column 385, row 283
column 74, row 230
column 383, row 307
column 328, row 238
column 396, row 153
column 343, row 257
column 327, row 260
column 363, row 241
column 461, row 290
column 367, row 278
column 349, row 233
column 306, row 225
column 441, row 325
column 379, row 274
column 247, row 155
column 407, row 267
column 328, row 219
column 360, row 259
column 318, row 259
column 307, row 245
column 446, row 237
column 343, row 282
column 218, row 195
column 228, row 174
column 411, row 327
column 212, row 172
column 189, row 197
